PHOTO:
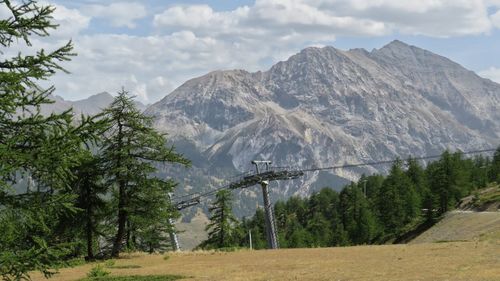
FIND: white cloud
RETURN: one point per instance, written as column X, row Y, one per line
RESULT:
column 438, row 18
column 71, row 22
column 495, row 18
column 191, row 40
column 149, row 67
column 120, row 14
column 491, row 73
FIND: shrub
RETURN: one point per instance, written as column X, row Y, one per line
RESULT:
column 97, row 271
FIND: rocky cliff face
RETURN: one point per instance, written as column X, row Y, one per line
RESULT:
column 325, row 107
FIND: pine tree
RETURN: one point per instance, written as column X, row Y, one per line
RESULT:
column 89, row 186
column 357, row 217
column 494, row 171
column 256, row 225
column 449, row 180
column 131, row 147
column 147, row 228
column 43, row 148
column 398, row 202
column 222, row 222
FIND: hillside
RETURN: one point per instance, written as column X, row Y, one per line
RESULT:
column 432, row 262
column 477, row 216
column 462, row 226
column 326, row 107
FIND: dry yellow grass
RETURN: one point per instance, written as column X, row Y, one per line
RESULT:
column 478, row 260
column 461, row 226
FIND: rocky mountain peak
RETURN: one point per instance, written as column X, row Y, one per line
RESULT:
column 326, row 107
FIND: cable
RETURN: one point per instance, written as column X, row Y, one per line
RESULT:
column 389, row 161
column 209, row 193
column 197, row 193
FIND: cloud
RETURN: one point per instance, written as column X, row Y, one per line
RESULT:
column 191, row 40
column 495, row 18
column 120, row 14
column 150, row 66
column 491, row 73
column 443, row 18
column 71, row 22
column 435, row 18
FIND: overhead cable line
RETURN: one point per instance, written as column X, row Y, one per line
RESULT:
column 198, row 196
column 390, row 161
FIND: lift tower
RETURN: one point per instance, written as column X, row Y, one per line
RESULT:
column 179, row 206
column 272, row 239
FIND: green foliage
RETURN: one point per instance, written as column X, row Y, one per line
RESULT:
column 221, row 229
column 394, row 205
column 97, row 271
column 34, row 148
column 398, row 201
column 109, row 263
column 494, row 169
column 130, row 148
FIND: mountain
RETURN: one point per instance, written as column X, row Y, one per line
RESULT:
column 93, row 104
column 89, row 106
column 327, row 107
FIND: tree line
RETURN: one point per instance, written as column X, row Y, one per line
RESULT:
column 71, row 186
column 376, row 209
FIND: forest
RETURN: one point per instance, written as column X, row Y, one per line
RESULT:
column 71, row 186
column 376, row 209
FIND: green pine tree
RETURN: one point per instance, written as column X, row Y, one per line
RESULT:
column 357, row 217
column 130, row 150
column 42, row 149
column 494, row 171
column 398, row 202
column 222, row 222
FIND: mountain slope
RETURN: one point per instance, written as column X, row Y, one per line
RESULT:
column 88, row 106
column 325, row 107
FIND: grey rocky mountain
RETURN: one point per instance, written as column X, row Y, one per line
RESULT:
column 326, row 107
column 88, row 106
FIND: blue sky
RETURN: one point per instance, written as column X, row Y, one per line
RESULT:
column 152, row 47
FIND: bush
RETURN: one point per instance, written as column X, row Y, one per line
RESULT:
column 109, row 263
column 97, row 271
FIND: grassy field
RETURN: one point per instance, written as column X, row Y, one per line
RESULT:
column 462, row 226
column 477, row 260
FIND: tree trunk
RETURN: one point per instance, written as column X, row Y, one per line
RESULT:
column 128, row 239
column 122, row 220
column 122, row 204
column 90, row 252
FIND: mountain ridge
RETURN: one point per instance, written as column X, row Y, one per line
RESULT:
column 327, row 107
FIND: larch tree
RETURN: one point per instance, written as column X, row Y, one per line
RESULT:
column 130, row 150
column 222, row 222
column 494, row 171
column 34, row 146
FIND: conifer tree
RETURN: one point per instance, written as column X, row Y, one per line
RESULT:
column 222, row 222
column 398, row 202
column 494, row 171
column 43, row 148
column 449, row 180
column 357, row 217
column 148, row 227
column 131, row 147
column 89, row 186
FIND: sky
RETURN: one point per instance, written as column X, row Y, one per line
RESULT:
column 152, row 47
